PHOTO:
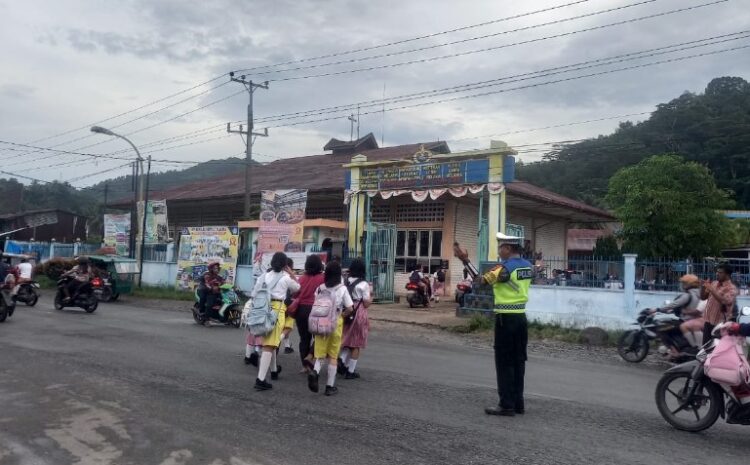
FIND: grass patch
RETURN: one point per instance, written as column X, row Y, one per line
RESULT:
column 162, row 292
column 45, row 282
column 537, row 330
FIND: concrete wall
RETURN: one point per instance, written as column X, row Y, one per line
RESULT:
column 165, row 274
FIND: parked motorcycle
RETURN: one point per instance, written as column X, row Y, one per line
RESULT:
column 227, row 310
column 634, row 344
column 27, row 293
column 415, row 296
column 684, row 392
column 462, row 288
column 84, row 298
column 7, row 305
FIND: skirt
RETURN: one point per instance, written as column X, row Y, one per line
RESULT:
column 355, row 333
column 273, row 339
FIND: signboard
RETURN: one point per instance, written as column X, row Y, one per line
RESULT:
column 157, row 228
column 515, row 230
column 282, row 215
column 201, row 246
column 117, row 233
column 425, row 175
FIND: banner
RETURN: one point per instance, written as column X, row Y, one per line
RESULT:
column 117, row 233
column 282, row 215
column 201, row 246
column 157, row 228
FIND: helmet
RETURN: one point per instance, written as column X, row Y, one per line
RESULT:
column 690, row 281
column 214, row 265
column 82, row 260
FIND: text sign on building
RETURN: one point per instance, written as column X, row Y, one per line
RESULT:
column 425, row 175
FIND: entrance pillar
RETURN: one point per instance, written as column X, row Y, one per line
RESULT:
column 496, row 210
column 357, row 207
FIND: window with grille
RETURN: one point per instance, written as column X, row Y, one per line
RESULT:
column 330, row 212
column 380, row 213
column 418, row 247
column 420, row 212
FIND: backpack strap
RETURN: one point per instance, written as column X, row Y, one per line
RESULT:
column 275, row 283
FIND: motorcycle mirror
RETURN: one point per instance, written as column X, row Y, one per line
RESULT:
column 746, row 311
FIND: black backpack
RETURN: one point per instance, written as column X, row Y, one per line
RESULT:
column 350, row 288
column 441, row 276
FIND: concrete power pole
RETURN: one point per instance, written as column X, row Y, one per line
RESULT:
column 249, row 134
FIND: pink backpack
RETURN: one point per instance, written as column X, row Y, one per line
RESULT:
column 727, row 363
column 323, row 316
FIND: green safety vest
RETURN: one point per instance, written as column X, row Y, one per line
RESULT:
column 512, row 295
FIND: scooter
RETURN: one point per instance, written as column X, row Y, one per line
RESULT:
column 84, row 298
column 462, row 288
column 227, row 310
column 7, row 305
column 103, row 289
column 415, row 296
column 27, row 293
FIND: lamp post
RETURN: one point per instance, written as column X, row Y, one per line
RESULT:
column 136, row 249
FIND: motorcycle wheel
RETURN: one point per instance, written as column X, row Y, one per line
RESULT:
column 92, row 306
column 3, row 312
column 633, row 346
column 115, row 296
column 235, row 318
column 32, row 299
column 106, row 295
column 675, row 387
column 59, row 301
column 197, row 315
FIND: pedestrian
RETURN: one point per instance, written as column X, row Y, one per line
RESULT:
column 439, row 280
column 722, row 298
column 356, row 325
column 510, row 281
column 328, row 347
column 277, row 281
column 309, row 282
column 289, row 321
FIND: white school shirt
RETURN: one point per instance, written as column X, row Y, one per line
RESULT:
column 279, row 292
column 361, row 291
column 24, row 269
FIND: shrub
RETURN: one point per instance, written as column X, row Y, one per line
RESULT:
column 55, row 267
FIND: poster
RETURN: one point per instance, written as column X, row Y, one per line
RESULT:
column 201, row 246
column 282, row 215
column 157, row 228
column 117, row 233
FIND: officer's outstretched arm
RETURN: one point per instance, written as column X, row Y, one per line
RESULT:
column 497, row 274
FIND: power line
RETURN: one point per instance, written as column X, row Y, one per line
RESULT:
column 483, row 94
column 513, row 78
column 460, row 41
column 413, row 39
column 497, row 47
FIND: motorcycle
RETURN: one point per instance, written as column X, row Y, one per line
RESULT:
column 685, row 389
column 27, row 293
column 84, row 298
column 7, row 305
column 227, row 310
column 462, row 288
column 415, row 296
column 634, row 344
column 103, row 289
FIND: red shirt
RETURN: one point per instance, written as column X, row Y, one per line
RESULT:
column 308, row 286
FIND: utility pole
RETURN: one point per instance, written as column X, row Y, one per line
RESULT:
column 145, row 215
column 104, row 210
column 352, row 120
column 249, row 134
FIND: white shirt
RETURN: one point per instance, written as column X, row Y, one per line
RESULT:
column 361, row 291
column 24, row 269
column 279, row 291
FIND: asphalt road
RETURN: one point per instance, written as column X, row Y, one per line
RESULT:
column 136, row 385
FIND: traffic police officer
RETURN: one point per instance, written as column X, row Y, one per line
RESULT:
column 510, row 282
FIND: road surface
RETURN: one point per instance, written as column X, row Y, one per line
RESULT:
column 136, row 385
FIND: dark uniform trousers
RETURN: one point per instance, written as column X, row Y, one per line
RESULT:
column 511, row 339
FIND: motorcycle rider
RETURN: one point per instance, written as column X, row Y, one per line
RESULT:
column 686, row 305
column 742, row 329
column 208, row 290
column 81, row 273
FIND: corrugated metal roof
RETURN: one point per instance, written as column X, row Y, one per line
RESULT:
column 584, row 240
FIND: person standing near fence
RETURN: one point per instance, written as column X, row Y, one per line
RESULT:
column 510, row 281
column 722, row 299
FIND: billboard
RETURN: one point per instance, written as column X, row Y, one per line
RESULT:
column 200, row 246
column 117, row 233
column 282, row 216
column 157, row 228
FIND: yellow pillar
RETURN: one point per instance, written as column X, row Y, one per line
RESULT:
column 357, row 210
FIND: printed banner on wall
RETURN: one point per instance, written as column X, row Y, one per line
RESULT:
column 117, row 233
column 157, row 227
column 282, row 215
column 201, row 246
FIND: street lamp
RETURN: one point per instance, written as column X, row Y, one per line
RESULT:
column 142, row 196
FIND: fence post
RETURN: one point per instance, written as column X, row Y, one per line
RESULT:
column 629, row 285
column 76, row 247
column 52, row 248
column 170, row 252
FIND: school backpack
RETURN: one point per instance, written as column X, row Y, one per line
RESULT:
column 350, row 287
column 441, row 276
column 415, row 277
column 261, row 319
column 727, row 363
column 322, row 320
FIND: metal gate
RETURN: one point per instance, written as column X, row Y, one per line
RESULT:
column 483, row 240
column 380, row 255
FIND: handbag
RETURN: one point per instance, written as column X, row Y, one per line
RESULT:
column 291, row 309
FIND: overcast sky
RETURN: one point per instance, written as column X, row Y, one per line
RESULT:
column 67, row 64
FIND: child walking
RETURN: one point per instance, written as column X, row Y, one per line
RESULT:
column 357, row 324
column 328, row 347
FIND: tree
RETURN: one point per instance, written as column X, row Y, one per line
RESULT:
column 670, row 208
column 607, row 247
